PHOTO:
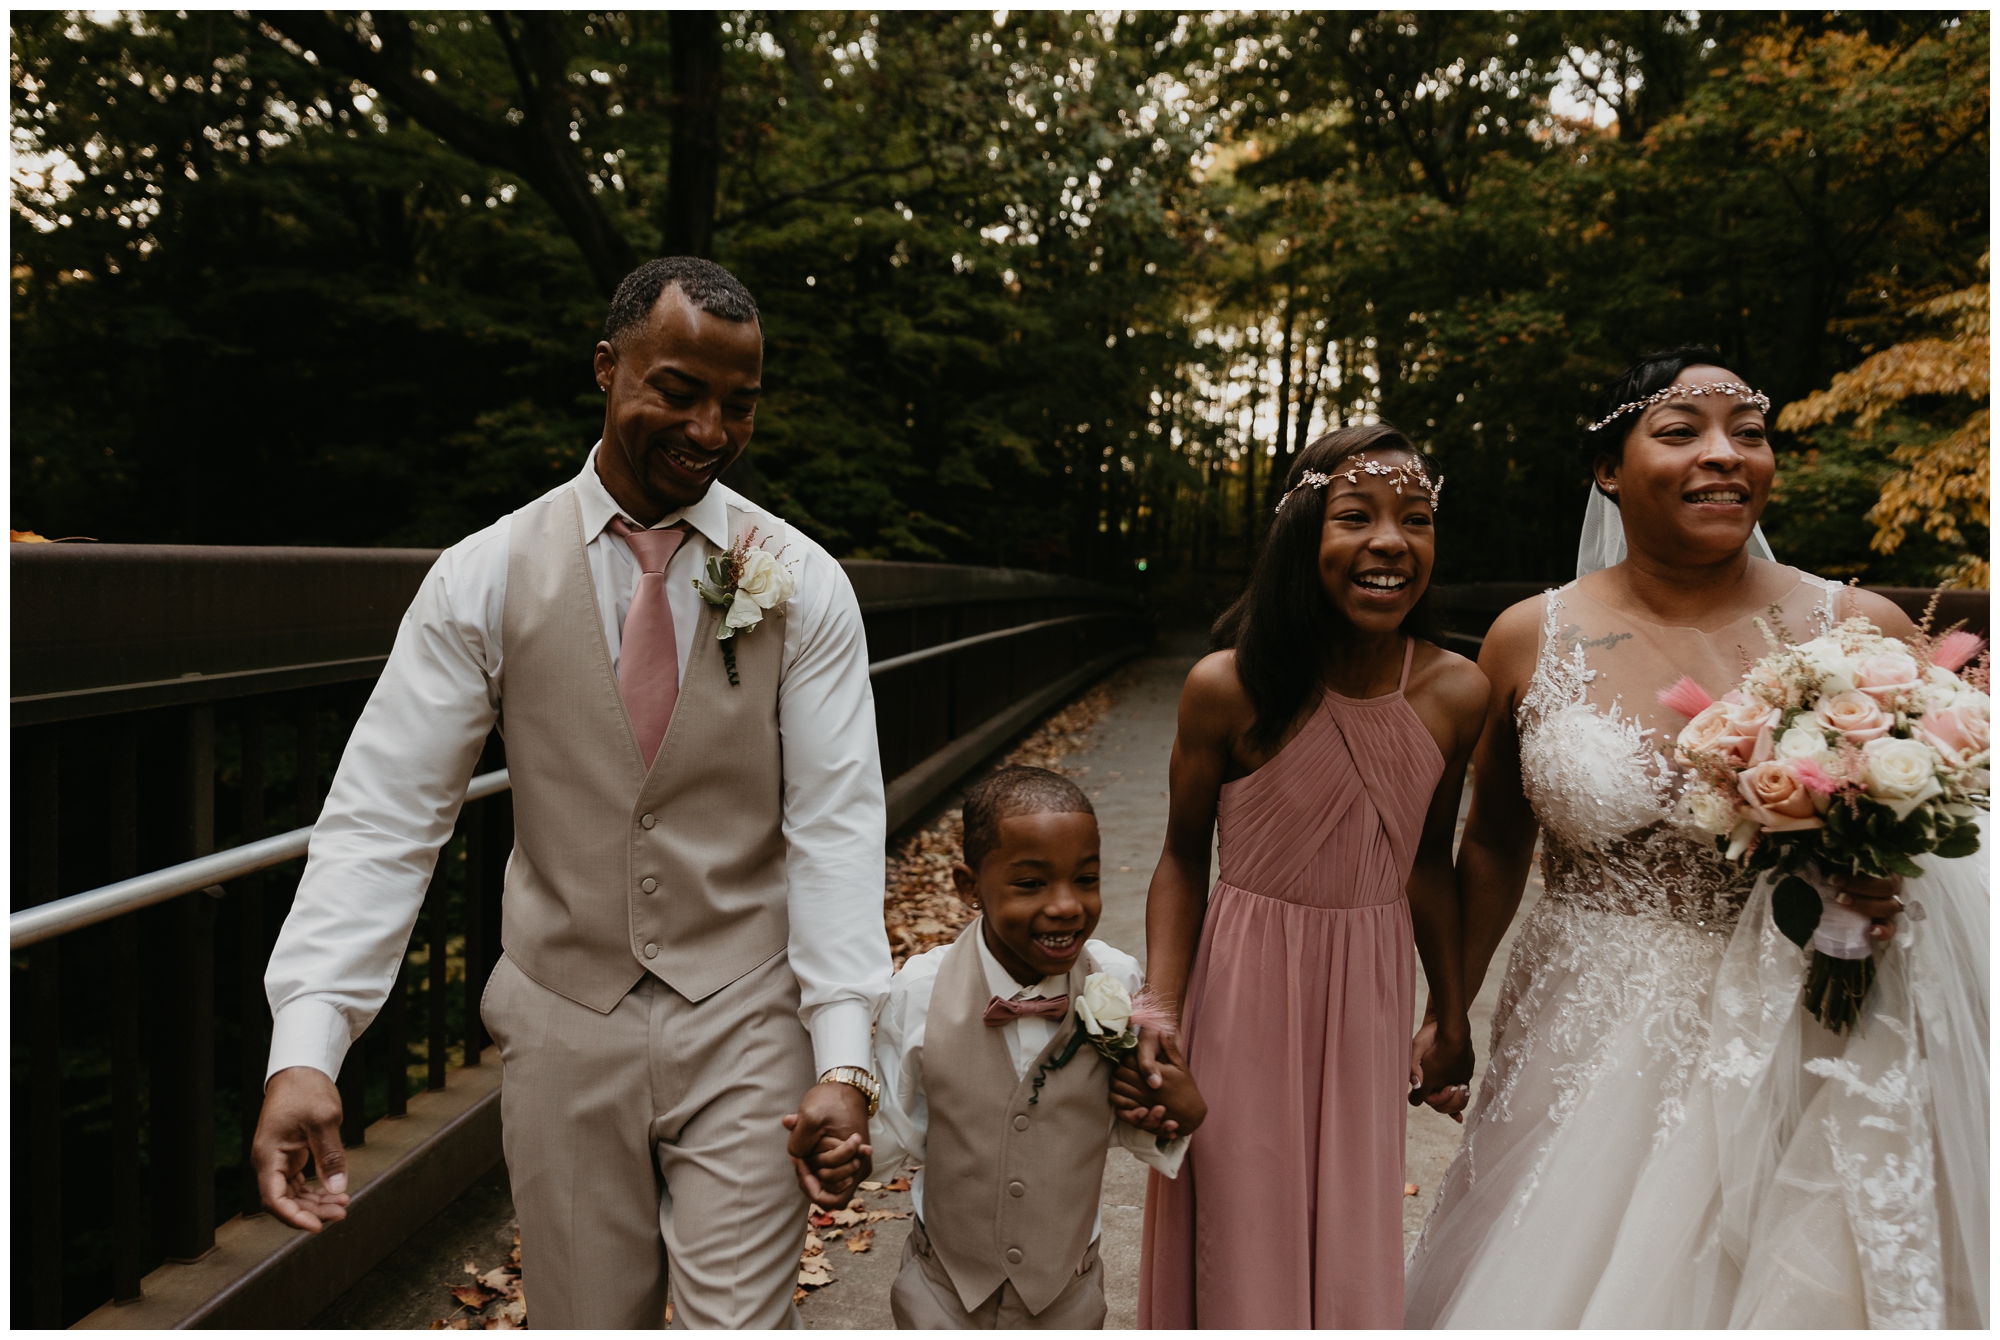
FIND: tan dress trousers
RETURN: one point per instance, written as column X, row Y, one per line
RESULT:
column 924, row 1299
column 644, row 1147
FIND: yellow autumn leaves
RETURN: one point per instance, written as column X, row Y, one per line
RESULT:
column 1943, row 485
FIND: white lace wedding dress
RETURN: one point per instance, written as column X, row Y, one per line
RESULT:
column 1664, row 1137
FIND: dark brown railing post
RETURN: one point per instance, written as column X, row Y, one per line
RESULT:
column 252, row 1006
column 128, row 1235
column 435, row 936
column 44, row 1144
column 183, row 1087
column 353, row 1085
column 475, row 923
column 395, row 1026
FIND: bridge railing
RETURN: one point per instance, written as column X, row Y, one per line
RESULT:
column 177, row 712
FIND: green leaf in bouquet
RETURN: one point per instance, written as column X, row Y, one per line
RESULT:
column 1795, row 907
column 1962, row 840
column 1899, row 864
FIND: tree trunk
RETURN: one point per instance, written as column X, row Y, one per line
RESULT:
column 1281, row 459
column 687, row 223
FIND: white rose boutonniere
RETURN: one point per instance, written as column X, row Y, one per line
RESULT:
column 1109, row 1019
column 1105, row 1007
column 747, row 582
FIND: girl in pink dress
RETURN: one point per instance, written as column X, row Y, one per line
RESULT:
column 1329, row 744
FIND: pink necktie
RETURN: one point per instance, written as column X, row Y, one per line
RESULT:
column 1000, row 1011
column 649, row 671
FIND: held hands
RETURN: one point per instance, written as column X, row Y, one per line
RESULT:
column 829, row 1143
column 1153, row 1090
column 301, row 1116
column 1879, row 899
column 1441, row 1067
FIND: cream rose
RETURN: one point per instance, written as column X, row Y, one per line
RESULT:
column 764, row 583
column 1803, row 740
column 1778, row 800
column 1105, row 1005
column 1833, row 665
column 1901, row 774
column 1854, row 714
column 1886, row 674
column 1960, row 732
column 1710, row 811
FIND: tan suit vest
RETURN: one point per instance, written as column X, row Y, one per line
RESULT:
column 1012, row 1177
column 618, row 871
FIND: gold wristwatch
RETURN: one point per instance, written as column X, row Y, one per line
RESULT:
column 860, row 1079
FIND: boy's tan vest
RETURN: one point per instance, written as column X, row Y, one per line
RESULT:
column 1010, row 1185
column 593, row 829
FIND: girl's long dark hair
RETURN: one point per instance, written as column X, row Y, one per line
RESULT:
column 1281, row 624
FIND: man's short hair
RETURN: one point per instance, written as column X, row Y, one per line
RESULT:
column 1010, row 792
column 704, row 283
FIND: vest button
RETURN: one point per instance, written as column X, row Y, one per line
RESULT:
column 1013, row 1256
column 652, row 951
column 1016, row 1190
column 646, row 821
column 648, row 884
column 1021, row 1122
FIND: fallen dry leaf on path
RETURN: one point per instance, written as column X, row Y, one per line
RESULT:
column 877, row 1216
column 860, row 1240
column 899, row 1184
column 1409, row 1188
column 474, row 1296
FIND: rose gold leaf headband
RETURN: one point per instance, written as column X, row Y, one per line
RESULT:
column 1757, row 398
column 1413, row 475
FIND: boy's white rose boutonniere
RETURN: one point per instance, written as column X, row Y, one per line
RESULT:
column 746, row 581
column 1109, row 1019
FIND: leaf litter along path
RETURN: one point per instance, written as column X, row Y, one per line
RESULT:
column 920, row 911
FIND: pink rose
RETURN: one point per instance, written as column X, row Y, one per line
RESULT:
column 1854, row 714
column 1958, row 732
column 1703, row 733
column 1885, row 675
column 1744, row 725
column 1778, row 800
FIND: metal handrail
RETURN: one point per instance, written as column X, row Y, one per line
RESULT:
column 947, row 648
column 77, row 911
column 129, row 895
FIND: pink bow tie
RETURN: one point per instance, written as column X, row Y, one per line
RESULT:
column 1000, row 1011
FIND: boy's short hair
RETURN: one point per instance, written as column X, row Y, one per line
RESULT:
column 1012, row 791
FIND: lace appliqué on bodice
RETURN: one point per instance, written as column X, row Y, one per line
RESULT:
column 1637, row 909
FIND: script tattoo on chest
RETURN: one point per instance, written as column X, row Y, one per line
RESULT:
column 1572, row 636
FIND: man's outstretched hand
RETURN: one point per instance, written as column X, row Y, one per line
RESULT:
column 829, row 1143
column 301, row 1117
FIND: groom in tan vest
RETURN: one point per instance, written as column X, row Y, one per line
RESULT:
column 692, row 917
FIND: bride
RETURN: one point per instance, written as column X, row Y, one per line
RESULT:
column 1664, row 1137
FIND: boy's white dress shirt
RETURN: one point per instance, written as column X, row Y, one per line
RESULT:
column 901, row 1125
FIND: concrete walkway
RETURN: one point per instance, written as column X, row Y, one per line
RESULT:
column 1124, row 770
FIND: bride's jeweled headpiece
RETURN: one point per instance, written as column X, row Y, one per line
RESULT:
column 1399, row 475
column 1757, row 398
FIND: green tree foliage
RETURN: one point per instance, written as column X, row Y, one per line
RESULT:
column 1046, row 289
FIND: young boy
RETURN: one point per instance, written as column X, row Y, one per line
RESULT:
column 1012, row 1148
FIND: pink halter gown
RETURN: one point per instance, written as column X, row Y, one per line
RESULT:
column 1289, row 1210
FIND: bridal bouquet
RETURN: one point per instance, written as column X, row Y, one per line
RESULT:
column 1849, row 754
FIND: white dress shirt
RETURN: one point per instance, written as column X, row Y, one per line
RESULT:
column 901, row 1127
column 403, row 776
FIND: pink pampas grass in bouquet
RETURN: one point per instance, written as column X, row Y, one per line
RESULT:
column 1686, row 697
column 1956, row 648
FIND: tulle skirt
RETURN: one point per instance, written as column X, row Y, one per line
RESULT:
column 1666, row 1138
